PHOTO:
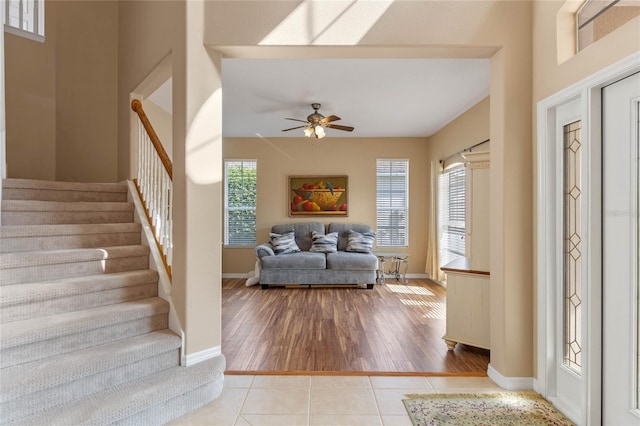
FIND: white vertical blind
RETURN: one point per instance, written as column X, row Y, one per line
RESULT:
column 452, row 214
column 392, row 202
column 240, row 202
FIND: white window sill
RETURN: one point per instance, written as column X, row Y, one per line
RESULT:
column 22, row 33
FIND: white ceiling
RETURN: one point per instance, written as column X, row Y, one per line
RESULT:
column 379, row 97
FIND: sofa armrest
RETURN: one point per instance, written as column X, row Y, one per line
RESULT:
column 264, row 250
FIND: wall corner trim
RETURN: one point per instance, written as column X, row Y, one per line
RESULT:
column 195, row 358
column 509, row 383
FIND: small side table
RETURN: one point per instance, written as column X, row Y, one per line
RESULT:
column 392, row 264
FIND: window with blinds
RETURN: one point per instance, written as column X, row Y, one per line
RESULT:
column 240, row 177
column 24, row 18
column 392, row 203
column 452, row 214
column 597, row 18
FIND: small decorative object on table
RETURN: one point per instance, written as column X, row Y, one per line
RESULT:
column 318, row 195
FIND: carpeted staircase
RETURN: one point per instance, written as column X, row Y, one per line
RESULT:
column 83, row 335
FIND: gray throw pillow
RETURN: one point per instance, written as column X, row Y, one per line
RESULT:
column 284, row 243
column 324, row 243
column 360, row 242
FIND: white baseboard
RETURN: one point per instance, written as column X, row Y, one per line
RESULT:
column 418, row 276
column 235, row 275
column 197, row 357
column 509, row 383
column 246, row 275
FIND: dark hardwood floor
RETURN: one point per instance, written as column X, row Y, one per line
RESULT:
column 394, row 328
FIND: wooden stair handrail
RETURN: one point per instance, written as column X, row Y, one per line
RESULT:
column 136, row 105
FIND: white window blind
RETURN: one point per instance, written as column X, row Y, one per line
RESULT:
column 240, row 202
column 392, row 193
column 25, row 18
column 452, row 214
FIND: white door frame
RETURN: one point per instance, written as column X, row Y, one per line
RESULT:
column 549, row 252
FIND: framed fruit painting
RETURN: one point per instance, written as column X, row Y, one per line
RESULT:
column 318, row 195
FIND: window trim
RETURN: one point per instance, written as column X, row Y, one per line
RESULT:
column 226, row 205
column 406, row 206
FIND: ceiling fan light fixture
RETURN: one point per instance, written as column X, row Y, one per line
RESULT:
column 316, row 122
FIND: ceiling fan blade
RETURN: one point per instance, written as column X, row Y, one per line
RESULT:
column 339, row 127
column 293, row 128
column 330, row 118
column 295, row 119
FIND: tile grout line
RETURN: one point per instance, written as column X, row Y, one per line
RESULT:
column 244, row 400
column 375, row 400
column 309, row 401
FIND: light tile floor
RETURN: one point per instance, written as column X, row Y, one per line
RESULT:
column 322, row 400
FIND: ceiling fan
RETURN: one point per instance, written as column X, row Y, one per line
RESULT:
column 316, row 122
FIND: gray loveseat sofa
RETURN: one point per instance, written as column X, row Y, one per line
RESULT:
column 318, row 268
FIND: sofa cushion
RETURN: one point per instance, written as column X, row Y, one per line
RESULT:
column 284, row 243
column 343, row 232
column 301, row 260
column 347, row 261
column 324, row 243
column 360, row 242
column 302, row 231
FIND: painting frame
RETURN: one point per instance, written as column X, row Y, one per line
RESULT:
column 323, row 195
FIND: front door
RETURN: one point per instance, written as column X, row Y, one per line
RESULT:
column 620, row 213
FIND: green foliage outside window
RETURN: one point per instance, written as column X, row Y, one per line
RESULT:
column 241, row 195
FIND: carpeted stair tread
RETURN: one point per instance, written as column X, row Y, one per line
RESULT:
column 65, row 206
column 30, row 212
column 19, row 231
column 83, row 341
column 51, row 257
column 35, row 376
column 20, row 333
column 52, row 186
column 117, row 404
column 35, row 292
column 21, row 238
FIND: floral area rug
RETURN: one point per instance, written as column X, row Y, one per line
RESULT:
column 483, row 409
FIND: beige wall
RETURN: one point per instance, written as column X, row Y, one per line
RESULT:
column 161, row 122
column 86, row 91
column 279, row 158
column 470, row 128
column 30, row 91
column 550, row 76
column 149, row 33
column 61, row 95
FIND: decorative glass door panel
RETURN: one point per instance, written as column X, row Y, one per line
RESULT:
column 572, row 312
